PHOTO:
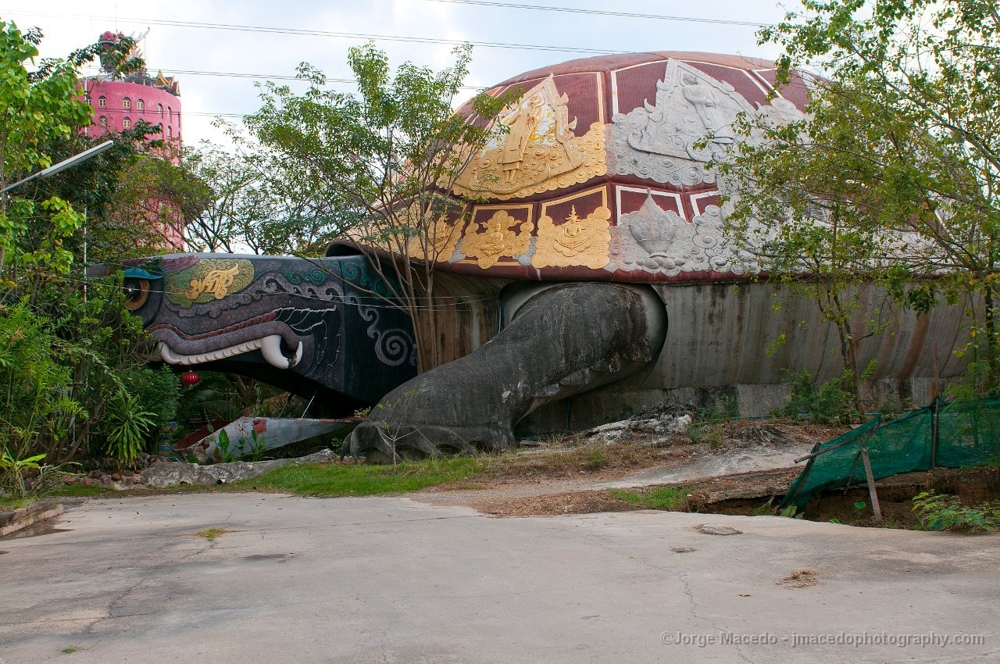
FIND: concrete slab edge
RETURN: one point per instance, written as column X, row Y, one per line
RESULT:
column 19, row 519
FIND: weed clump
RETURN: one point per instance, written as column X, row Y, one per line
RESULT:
column 946, row 512
column 670, row 498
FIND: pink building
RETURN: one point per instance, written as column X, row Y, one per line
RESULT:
column 120, row 104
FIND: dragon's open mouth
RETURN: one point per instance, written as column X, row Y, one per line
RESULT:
column 269, row 346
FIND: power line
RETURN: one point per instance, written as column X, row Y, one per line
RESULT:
column 231, row 74
column 358, row 36
column 273, row 77
column 442, row 303
column 376, row 37
column 604, row 12
column 152, row 117
column 270, row 77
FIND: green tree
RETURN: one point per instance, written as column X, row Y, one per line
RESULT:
column 39, row 109
column 65, row 358
column 381, row 163
column 258, row 202
column 808, row 227
column 154, row 195
column 900, row 156
column 130, row 194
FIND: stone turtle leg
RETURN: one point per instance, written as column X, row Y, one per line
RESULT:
column 563, row 340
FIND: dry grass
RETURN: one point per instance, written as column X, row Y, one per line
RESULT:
column 575, row 502
column 569, row 458
column 803, row 578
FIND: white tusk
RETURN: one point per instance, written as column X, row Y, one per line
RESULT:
column 270, row 348
column 168, row 355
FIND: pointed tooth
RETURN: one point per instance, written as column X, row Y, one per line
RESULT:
column 270, row 348
column 168, row 355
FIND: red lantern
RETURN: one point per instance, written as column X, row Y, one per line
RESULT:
column 190, row 378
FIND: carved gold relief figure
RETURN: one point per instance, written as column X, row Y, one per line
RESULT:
column 521, row 125
column 574, row 243
column 538, row 152
column 442, row 239
column 487, row 242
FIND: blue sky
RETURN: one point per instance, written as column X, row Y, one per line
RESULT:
column 68, row 24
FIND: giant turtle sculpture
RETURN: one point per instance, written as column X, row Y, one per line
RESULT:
column 596, row 216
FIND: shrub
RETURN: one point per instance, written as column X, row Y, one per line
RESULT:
column 35, row 386
column 946, row 512
column 826, row 403
column 128, row 428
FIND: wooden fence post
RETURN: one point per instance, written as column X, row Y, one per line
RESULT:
column 871, row 485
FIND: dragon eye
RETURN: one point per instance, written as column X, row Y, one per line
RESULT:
column 136, row 293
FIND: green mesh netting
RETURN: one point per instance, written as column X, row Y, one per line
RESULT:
column 948, row 435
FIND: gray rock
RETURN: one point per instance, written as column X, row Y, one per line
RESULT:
column 657, row 429
column 166, row 474
column 717, row 530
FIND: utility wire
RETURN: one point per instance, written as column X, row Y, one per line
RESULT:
column 103, row 110
column 604, row 12
column 149, row 115
column 344, row 35
column 278, row 77
column 358, row 36
column 442, row 303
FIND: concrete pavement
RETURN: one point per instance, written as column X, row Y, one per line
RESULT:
column 393, row 580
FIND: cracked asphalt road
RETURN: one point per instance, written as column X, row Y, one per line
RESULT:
column 394, row 580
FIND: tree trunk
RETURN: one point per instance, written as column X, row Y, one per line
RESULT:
column 848, row 346
column 992, row 348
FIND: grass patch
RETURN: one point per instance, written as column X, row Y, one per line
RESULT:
column 80, row 490
column 669, row 498
column 330, row 480
column 61, row 491
column 211, row 533
column 68, row 650
column 9, row 504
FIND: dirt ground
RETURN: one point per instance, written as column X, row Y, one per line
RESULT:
column 578, row 475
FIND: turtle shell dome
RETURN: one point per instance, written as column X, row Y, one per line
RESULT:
column 602, row 171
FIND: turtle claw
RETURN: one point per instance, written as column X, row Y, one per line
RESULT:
column 561, row 341
column 373, row 440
